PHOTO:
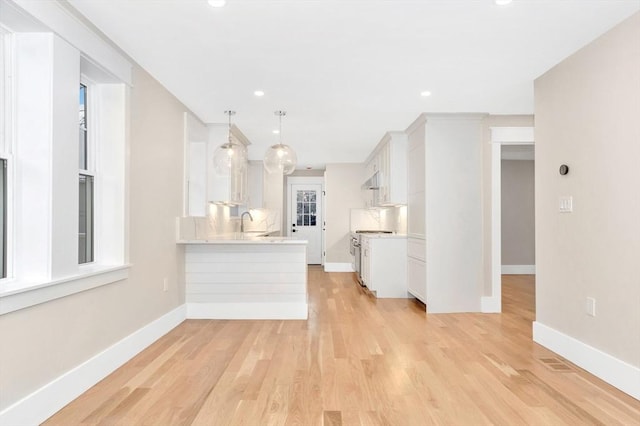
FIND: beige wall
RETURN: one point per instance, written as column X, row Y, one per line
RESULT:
column 518, row 217
column 342, row 184
column 588, row 116
column 44, row 341
column 492, row 121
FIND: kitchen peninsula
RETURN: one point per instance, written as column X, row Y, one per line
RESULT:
column 236, row 276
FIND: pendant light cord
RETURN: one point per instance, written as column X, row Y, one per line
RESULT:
column 229, row 113
column 280, row 114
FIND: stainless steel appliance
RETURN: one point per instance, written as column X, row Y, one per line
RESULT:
column 356, row 252
column 354, row 249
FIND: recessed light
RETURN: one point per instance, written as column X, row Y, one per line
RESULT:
column 425, row 93
column 258, row 93
column 502, row 2
column 275, row 132
column 216, row 3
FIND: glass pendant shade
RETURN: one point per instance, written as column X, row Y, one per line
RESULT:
column 280, row 157
column 229, row 156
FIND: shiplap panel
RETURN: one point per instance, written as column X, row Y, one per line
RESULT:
column 251, row 288
column 267, row 267
column 246, row 298
column 215, row 278
column 240, row 280
column 251, row 257
column 272, row 248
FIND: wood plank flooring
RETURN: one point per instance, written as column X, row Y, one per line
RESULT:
column 356, row 361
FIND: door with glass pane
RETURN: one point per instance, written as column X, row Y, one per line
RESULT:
column 306, row 218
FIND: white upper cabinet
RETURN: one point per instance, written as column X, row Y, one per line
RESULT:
column 195, row 139
column 229, row 188
column 416, row 180
column 386, row 168
column 255, row 178
column 202, row 184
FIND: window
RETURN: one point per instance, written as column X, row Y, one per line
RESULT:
column 3, row 218
column 62, row 200
column 85, row 231
column 306, row 208
column 5, row 119
column 83, row 139
column 85, row 211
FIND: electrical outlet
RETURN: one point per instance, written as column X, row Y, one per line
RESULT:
column 165, row 284
column 591, row 306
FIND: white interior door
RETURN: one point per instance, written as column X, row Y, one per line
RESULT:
column 305, row 213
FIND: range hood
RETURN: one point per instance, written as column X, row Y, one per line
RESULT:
column 372, row 182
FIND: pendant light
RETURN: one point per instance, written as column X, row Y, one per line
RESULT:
column 230, row 155
column 280, row 157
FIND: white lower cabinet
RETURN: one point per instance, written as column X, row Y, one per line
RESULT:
column 417, row 268
column 416, row 278
column 384, row 266
column 366, row 262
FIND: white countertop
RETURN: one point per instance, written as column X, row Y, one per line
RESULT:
column 384, row 236
column 238, row 238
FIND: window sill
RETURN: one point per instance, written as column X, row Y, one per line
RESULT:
column 16, row 295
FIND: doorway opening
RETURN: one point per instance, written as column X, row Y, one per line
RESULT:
column 500, row 137
column 517, row 200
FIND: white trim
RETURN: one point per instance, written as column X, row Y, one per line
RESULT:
column 500, row 136
column 519, row 269
column 496, row 225
column 490, row 304
column 338, row 267
column 68, row 26
column 16, row 295
column 248, row 311
column 512, row 135
column 44, row 402
column 618, row 373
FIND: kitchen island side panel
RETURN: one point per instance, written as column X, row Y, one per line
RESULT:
column 252, row 281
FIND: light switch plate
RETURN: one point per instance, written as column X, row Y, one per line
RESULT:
column 565, row 204
column 591, row 306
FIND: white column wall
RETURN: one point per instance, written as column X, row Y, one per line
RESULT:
column 64, row 103
column 111, row 136
column 46, row 92
column 33, row 75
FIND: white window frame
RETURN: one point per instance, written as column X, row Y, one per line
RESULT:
column 6, row 144
column 111, row 257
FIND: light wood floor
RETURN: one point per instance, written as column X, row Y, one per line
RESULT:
column 356, row 361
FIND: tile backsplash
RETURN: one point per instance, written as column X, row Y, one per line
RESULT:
column 219, row 221
column 385, row 219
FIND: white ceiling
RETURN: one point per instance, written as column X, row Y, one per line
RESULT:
column 348, row 71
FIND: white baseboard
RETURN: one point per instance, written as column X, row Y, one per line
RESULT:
column 46, row 401
column 519, row 269
column 338, row 267
column 623, row 376
column 250, row 311
column 490, row 305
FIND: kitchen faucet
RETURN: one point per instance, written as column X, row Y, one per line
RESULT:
column 242, row 220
